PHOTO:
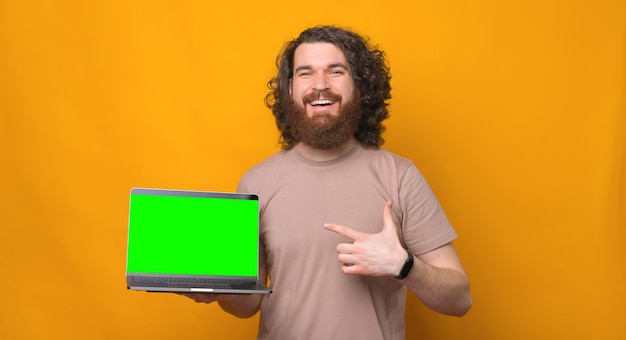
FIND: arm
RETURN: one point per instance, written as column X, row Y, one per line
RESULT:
column 439, row 280
column 245, row 306
column 437, row 277
column 241, row 306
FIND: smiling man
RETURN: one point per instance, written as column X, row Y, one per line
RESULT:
column 346, row 226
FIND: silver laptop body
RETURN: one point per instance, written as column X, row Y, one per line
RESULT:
column 193, row 241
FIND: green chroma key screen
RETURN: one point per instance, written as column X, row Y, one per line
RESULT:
column 192, row 235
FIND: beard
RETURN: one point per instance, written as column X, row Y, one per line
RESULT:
column 325, row 131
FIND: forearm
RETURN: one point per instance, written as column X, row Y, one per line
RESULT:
column 437, row 276
column 443, row 290
column 241, row 306
column 245, row 306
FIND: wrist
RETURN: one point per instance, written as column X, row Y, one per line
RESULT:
column 406, row 267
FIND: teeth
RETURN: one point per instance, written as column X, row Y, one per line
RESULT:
column 322, row 102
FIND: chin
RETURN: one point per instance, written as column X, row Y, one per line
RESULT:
column 322, row 120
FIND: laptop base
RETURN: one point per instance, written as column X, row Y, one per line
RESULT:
column 220, row 290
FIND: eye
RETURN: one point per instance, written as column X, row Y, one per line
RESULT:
column 304, row 74
column 336, row 72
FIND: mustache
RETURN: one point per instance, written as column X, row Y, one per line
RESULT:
column 325, row 94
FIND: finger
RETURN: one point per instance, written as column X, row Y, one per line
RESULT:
column 346, row 259
column 206, row 298
column 201, row 297
column 345, row 248
column 352, row 270
column 344, row 231
column 388, row 222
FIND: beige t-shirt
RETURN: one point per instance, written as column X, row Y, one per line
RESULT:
column 312, row 298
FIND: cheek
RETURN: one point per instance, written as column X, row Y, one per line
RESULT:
column 347, row 95
column 298, row 89
column 346, row 90
column 296, row 94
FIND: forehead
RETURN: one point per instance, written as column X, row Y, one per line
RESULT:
column 319, row 54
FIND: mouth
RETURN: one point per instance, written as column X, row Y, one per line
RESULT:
column 322, row 99
column 322, row 102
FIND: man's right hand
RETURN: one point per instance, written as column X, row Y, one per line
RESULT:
column 204, row 297
column 239, row 305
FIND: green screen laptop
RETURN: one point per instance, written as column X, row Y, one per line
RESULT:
column 193, row 241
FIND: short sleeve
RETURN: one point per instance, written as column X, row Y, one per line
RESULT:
column 424, row 224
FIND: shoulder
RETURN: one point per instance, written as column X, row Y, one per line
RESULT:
column 388, row 164
column 268, row 168
column 269, row 163
column 384, row 158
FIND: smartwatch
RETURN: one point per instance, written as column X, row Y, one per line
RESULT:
column 406, row 268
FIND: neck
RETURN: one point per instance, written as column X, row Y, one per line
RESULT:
column 325, row 155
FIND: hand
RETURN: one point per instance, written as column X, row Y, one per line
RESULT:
column 203, row 297
column 378, row 254
column 239, row 305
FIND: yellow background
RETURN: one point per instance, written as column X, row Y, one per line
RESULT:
column 514, row 111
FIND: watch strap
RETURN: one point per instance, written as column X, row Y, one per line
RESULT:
column 406, row 268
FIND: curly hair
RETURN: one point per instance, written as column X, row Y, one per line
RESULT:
column 370, row 74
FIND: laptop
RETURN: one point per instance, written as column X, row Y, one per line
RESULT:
column 193, row 241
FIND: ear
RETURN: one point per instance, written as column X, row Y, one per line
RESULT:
column 290, row 86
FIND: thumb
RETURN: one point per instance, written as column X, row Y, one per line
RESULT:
column 389, row 225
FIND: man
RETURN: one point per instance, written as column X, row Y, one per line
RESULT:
column 346, row 226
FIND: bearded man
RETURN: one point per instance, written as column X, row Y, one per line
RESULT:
column 346, row 226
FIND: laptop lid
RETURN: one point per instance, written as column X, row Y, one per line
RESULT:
column 181, row 240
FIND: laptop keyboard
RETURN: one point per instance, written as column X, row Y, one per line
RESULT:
column 192, row 280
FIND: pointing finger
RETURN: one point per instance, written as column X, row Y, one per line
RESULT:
column 344, row 231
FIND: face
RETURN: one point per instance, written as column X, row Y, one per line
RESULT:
column 325, row 109
column 321, row 79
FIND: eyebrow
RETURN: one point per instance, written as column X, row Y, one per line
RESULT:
column 330, row 66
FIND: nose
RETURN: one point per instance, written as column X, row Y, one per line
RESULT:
column 319, row 82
